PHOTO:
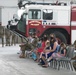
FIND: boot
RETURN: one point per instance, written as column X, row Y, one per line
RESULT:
column 22, row 56
column 74, row 58
column 74, row 65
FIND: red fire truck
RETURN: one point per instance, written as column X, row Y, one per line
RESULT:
column 46, row 18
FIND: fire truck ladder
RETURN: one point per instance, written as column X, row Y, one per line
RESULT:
column 18, row 34
column 23, row 5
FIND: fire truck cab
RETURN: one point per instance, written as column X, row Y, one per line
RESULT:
column 46, row 19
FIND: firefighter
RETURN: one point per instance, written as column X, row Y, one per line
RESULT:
column 28, row 46
column 2, row 35
column 35, row 42
column 7, row 36
column 23, row 47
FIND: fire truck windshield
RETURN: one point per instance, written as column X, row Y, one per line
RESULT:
column 34, row 14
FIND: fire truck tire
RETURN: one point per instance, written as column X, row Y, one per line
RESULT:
column 61, row 37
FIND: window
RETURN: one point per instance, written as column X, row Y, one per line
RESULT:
column 34, row 14
column 32, row 30
column 47, row 14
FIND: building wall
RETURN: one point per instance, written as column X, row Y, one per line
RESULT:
column 7, row 9
column 7, row 14
column 8, row 2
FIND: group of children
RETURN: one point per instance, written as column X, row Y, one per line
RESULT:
column 45, row 49
column 50, row 50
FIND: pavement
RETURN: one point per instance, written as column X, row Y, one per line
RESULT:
column 11, row 64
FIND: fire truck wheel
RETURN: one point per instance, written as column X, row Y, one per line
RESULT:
column 60, row 37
